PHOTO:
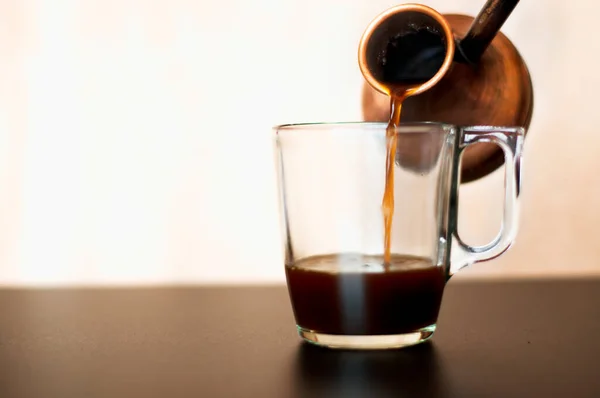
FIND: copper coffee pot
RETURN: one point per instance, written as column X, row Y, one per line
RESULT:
column 487, row 83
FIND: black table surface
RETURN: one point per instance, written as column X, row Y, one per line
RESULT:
column 494, row 339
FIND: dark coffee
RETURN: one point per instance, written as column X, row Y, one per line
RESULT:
column 410, row 58
column 407, row 48
column 358, row 295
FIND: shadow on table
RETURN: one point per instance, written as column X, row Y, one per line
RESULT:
column 411, row 372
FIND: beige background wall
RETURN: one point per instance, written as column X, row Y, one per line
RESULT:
column 118, row 125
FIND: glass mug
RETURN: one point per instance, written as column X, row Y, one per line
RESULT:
column 331, row 179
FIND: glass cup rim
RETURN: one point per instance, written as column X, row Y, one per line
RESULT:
column 412, row 127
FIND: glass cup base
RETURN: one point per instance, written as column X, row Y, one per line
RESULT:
column 367, row 342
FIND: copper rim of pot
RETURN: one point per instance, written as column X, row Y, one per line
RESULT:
column 377, row 22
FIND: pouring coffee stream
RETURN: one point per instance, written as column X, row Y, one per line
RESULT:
column 404, row 51
column 410, row 49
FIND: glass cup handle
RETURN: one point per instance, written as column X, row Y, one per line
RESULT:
column 510, row 140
